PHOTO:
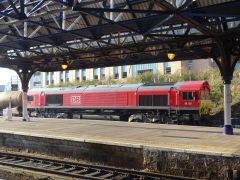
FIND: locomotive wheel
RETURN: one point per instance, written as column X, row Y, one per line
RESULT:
column 124, row 118
column 80, row 116
column 70, row 116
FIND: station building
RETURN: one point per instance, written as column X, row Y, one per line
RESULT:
column 45, row 79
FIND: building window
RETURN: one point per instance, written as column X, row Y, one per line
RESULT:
column 77, row 75
column 95, row 74
column 67, row 76
column 84, row 74
column 36, row 84
column 115, row 71
column 61, row 76
column 124, row 72
column 167, row 68
column 47, row 78
column 145, row 71
column 189, row 64
column 52, row 77
column 102, row 73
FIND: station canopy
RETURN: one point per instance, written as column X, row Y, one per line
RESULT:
column 40, row 35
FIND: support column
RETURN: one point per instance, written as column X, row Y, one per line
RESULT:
column 228, row 129
column 24, row 81
column 25, row 76
column 25, row 116
column 227, row 66
column 226, row 61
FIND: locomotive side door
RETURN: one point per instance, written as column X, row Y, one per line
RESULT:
column 42, row 99
column 172, row 98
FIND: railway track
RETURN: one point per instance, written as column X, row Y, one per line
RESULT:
column 76, row 170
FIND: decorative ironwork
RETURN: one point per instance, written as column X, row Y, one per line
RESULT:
column 40, row 34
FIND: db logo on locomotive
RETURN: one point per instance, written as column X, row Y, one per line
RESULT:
column 76, row 99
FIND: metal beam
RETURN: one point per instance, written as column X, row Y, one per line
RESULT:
column 116, row 10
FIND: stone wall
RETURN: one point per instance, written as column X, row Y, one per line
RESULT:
column 193, row 165
column 165, row 161
column 112, row 155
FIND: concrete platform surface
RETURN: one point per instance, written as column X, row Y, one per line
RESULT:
column 203, row 140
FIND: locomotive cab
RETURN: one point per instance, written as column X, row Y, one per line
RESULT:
column 205, row 103
column 194, row 100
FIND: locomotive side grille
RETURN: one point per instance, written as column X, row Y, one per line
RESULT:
column 160, row 100
column 56, row 99
column 153, row 100
column 145, row 100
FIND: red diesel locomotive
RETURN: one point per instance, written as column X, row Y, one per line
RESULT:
column 167, row 102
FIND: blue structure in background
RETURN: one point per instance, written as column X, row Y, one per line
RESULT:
column 136, row 69
column 2, row 88
column 237, row 65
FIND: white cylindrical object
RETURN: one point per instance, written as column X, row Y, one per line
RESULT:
column 7, row 114
column 227, row 105
column 13, row 97
column 228, row 129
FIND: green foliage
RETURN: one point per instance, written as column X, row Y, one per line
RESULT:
column 85, row 83
column 212, row 76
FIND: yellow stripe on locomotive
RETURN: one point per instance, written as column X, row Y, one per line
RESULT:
column 205, row 106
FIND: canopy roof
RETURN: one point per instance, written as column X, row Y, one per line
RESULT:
column 41, row 34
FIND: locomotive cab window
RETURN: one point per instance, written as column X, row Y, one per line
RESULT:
column 196, row 95
column 202, row 94
column 29, row 98
column 188, row 95
column 207, row 94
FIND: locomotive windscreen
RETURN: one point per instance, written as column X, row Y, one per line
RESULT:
column 153, row 100
column 56, row 99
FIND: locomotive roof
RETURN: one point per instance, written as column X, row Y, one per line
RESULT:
column 193, row 85
column 115, row 87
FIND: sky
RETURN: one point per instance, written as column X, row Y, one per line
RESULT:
column 5, row 75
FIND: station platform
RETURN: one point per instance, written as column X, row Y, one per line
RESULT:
column 170, row 149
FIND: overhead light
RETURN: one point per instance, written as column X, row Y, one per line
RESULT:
column 171, row 55
column 64, row 65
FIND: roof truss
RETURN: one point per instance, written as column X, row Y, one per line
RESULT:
column 41, row 34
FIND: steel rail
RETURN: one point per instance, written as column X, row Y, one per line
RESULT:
column 77, row 170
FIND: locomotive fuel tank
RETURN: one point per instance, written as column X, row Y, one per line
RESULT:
column 14, row 96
